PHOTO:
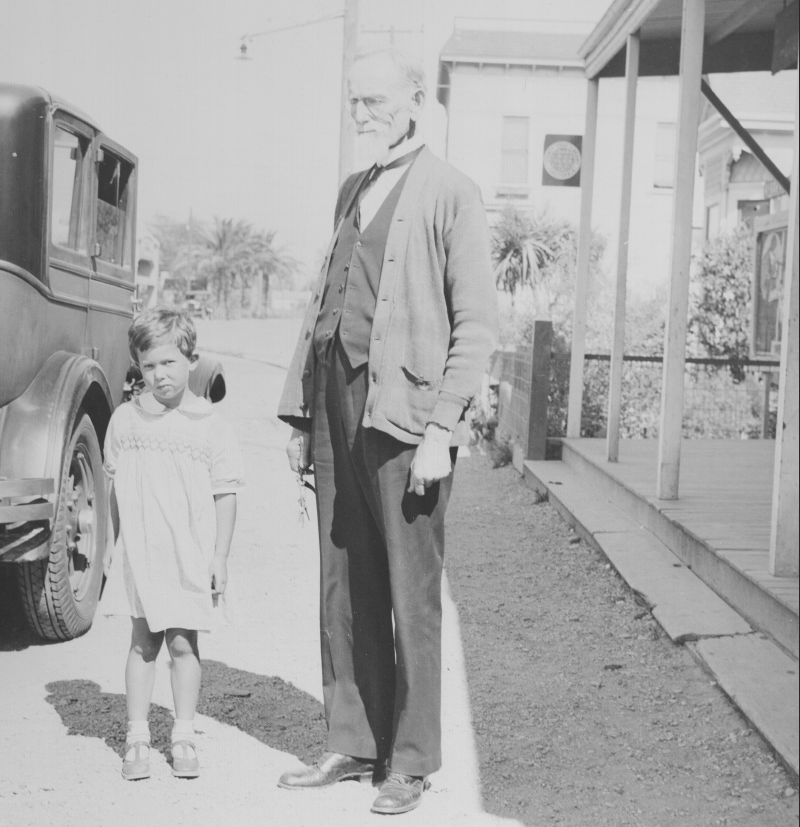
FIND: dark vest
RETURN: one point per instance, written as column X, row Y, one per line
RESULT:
column 351, row 287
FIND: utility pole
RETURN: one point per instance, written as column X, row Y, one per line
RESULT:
column 346, row 128
column 191, row 253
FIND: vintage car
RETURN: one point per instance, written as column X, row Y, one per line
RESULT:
column 67, row 297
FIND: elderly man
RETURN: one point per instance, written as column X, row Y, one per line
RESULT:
column 392, row 350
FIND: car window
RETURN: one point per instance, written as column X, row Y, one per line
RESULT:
column 114, row 218
column 69, row 151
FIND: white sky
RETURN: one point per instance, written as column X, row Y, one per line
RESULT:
column 236, row 139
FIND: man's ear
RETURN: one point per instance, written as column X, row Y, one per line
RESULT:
column 194, row 360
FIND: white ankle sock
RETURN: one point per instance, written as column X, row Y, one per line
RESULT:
column 137, row 731
column 183, row 731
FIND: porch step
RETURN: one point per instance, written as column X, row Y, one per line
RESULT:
column 728, row 573
column 742, row 661
column 679, row 600
column 762, row 682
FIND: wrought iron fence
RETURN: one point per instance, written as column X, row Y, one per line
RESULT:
column 723, row 399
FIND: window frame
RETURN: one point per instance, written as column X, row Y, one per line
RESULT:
column 123, row 271
column 659, row 157
column 76, row 255
column 525, row 151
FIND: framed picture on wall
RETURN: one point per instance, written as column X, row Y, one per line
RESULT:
column 768, row 267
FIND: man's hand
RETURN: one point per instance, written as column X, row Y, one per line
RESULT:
column 431, row 461
column 299, row 451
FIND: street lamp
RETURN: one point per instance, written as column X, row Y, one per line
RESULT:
column 349, row 43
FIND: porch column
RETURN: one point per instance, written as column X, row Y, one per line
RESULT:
column 783, row 550
column 618, row 344
column 669, row 435
column 575, row 403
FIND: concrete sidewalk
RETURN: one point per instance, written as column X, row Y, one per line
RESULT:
column 50, row 777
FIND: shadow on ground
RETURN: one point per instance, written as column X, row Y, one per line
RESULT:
column 267, row 708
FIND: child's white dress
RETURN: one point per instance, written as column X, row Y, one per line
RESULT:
column 166, row 468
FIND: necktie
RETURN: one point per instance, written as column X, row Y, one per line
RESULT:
column 373, row 175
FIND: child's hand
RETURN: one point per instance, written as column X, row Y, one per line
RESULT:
column 218, row 571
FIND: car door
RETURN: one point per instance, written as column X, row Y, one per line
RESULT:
column 64, row 324
column 111, row 289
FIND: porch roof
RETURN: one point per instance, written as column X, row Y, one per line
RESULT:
column 739, row 36
column 512, row 47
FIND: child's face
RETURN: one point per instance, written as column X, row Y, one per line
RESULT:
column 165, row 371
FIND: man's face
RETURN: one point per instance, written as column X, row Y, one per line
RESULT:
column 382, row 103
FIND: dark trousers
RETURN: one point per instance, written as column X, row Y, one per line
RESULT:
column 381, row 553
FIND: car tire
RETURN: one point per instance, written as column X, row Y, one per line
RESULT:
column 208, row 379
column 60, row 593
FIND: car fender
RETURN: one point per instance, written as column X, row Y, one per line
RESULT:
column 35, row 426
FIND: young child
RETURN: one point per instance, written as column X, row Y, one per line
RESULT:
column 175, row 469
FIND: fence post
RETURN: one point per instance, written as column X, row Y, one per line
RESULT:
column 766, row 378
column 540, row 389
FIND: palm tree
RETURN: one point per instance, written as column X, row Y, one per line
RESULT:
column 267, row 263
column 524, row 250
column 224, row 258
column 236, row 259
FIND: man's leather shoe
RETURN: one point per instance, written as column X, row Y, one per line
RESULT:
column 399, row 793
column 332, row 767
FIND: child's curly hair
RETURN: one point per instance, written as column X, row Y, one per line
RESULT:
column 162, row 323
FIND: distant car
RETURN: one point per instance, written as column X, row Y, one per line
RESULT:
column 198, row 303
column 67, row 297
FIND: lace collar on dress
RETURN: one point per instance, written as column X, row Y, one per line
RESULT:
column 201, row 411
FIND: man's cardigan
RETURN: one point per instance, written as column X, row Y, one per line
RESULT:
column 435, row 319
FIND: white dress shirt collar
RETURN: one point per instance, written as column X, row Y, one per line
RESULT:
column 403, row 148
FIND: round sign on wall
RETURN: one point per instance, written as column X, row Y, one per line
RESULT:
column 561, row 160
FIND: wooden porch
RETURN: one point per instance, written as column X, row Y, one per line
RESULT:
column 692, row 38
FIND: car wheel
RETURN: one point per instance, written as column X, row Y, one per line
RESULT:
column 60, row 593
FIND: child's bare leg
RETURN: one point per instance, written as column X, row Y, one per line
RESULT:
column 140, row 671
column 185, row 675
column 185, row 672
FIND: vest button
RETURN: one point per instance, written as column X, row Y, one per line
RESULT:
column 358, row 244
column 335, row 310
column 341, row 288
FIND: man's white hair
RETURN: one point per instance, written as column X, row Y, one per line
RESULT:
column 409, row 69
